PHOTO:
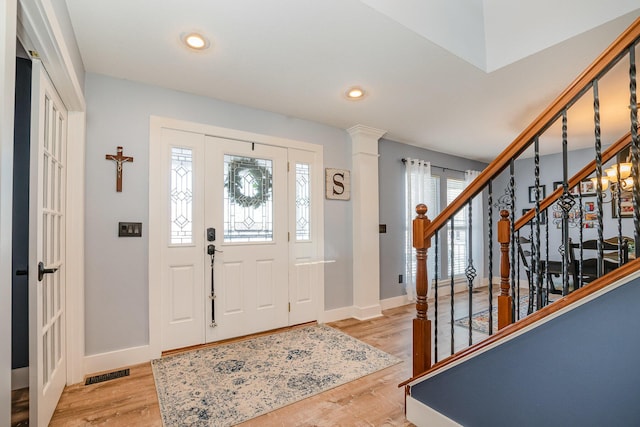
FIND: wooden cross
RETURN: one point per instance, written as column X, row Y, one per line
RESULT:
column 119, row 159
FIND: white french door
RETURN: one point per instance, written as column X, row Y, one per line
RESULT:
column 246, row 203
column 47, row 361
column 251, row 206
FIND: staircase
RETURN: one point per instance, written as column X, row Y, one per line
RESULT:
column 569, row 359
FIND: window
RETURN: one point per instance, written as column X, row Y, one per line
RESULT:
column 181, row 194
column 248, row 203
column 303, row 201
column 460, row 229
column 420, row 187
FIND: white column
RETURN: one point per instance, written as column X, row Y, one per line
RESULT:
column 365, row 221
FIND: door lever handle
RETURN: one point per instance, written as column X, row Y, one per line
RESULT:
column 42, row 271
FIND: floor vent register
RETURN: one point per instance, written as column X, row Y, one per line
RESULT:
column 106, row 377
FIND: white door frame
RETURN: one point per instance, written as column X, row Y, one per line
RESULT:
column 8, row 11
column 155, row 205
column 38, row 29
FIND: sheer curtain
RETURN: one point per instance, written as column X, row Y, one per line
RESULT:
column 477, row 226
column 419, row 188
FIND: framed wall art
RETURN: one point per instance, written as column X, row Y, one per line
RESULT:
column 532, row 193
column 624, row 206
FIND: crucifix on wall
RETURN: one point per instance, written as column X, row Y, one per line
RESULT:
column 119, row 159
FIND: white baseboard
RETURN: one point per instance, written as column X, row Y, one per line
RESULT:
column 19, row 378
column 394, row 302
column 422, row 416
column 116, row 359
column 366, row 313
column 338, row 314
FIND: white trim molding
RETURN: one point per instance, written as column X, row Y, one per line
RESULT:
column 360, row 313
column 424, row 416
column 394, row 302
column 337, row 314
column 117, row 359
column 75, row 245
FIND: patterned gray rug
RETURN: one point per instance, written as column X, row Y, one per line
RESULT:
column 228, row 384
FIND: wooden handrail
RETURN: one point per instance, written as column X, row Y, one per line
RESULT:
column 607, row 155
column 551, row 113
column 593, row 287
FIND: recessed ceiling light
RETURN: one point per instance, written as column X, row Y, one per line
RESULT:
column 355, row 93
column 195, row 41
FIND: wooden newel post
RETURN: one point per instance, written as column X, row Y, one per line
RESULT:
column 505, row 301
column 421, row 325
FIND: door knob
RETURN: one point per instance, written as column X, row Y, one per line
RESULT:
column 42, row 271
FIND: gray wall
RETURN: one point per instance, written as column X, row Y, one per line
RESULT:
column 551, row 171
column 391, row 184
column 579, row 369
column 116, row 294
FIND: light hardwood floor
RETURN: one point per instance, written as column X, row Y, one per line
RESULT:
column 374, row 400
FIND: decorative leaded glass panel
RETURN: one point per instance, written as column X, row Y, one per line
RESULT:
column 303, row 201
column 248, row 201
column 181, row 196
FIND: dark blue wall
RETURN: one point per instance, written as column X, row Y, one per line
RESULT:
column 580, row 369
column 20, row 235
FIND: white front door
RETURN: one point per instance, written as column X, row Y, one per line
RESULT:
column 246, row 203
column 259, row 206
column 47, row 361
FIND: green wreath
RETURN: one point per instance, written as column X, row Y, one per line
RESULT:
column 262, row 182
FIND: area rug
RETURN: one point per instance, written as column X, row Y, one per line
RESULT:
column 228, row 384
column 480, row 320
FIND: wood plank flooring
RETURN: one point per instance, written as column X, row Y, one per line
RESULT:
column 374, row 400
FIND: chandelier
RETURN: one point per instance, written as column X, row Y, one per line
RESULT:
column 614, row 178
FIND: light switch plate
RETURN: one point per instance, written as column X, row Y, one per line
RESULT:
column 129, row 229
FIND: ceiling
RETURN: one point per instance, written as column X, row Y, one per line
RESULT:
column 463, row 77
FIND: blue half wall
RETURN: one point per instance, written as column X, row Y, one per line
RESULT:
column 579, row 369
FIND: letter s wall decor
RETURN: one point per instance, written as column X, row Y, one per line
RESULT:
column 337, row 184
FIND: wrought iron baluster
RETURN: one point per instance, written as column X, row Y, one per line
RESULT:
column 490, row 237
column 513, row 259
column 618, row 196
column 635, row 149
column 566, row 203
column 581, row 234
column 435, row 305
column 530, row 278
column 521, row 254
column 598, row 148
column 451, row 270
column 470, row 272
column 536, row 172
column 546, row 251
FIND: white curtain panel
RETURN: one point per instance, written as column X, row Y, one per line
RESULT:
column 417, row 190
column 477, row 226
